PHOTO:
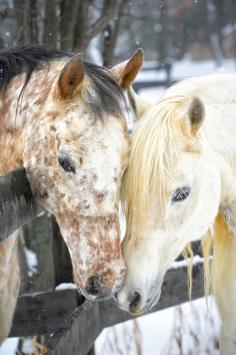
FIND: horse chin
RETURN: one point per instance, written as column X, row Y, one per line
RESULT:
column 151, row 303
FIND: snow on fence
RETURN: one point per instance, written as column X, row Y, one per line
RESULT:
column 72, row 322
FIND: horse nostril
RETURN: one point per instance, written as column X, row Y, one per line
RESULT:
column 116, row 296
column 94, row 286
column 134, row 302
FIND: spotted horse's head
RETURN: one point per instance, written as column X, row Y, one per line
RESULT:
column 77, row 150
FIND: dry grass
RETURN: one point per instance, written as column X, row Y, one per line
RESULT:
column 123, row 340
column 195, row 332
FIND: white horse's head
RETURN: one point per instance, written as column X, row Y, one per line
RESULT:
column 172, row 192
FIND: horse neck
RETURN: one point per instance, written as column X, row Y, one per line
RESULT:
column 18, row 114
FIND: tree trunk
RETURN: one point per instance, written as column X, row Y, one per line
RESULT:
column 81, row 27
column 19, row 6
column 110, row 35
column 51, row 24
column 69, row 11
column 26, row 22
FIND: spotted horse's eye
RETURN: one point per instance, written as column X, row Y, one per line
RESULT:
column 66, row 164
column 180, row 194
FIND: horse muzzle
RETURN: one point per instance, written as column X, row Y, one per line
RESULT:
column 102, row 287
column 135, row 302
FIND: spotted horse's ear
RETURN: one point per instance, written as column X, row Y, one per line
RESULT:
column 126, row 72
column 71, row 77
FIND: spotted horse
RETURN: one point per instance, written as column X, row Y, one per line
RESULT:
column 63, row 119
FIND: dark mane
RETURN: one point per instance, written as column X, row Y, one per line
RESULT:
column 29, row 59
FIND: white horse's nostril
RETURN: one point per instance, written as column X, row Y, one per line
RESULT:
column 134, row 302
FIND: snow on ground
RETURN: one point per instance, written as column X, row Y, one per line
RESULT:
column 186, row 68
column 9, row 346
column 154, row 331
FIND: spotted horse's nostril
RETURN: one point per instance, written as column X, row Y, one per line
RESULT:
column 134, row 302
column 94, row 286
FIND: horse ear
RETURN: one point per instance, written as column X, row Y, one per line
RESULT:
column 71, row 77
column 138, row 104
column 126, row 71
column 196, row 114
column 229, row 212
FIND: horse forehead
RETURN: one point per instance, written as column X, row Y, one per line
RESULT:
column 91, row 131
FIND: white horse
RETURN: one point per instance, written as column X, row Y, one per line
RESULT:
column 181, row 181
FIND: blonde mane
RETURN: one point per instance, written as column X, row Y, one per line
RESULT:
column 217, row 247
column 152, row 158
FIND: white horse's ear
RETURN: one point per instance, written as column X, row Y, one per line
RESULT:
column 138, row 104
column 228, row 196
column 196, row 114
column 126, row 72
column 71, row 77
column 229, row 212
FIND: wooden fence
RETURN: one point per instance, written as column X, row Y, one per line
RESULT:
column 166, row 68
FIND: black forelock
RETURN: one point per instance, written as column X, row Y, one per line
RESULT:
column 29, row 59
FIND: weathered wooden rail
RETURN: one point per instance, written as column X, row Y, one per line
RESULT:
column 150, row 83
column 17, row 205
column 76, row 323
column 72, row 322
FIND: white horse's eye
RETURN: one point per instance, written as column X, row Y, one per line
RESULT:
column 180, row 194
column 66, row 164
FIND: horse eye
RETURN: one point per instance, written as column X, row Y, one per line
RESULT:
column 181, row 194
column 66, row 164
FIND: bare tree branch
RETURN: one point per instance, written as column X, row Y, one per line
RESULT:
column 109, row 13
